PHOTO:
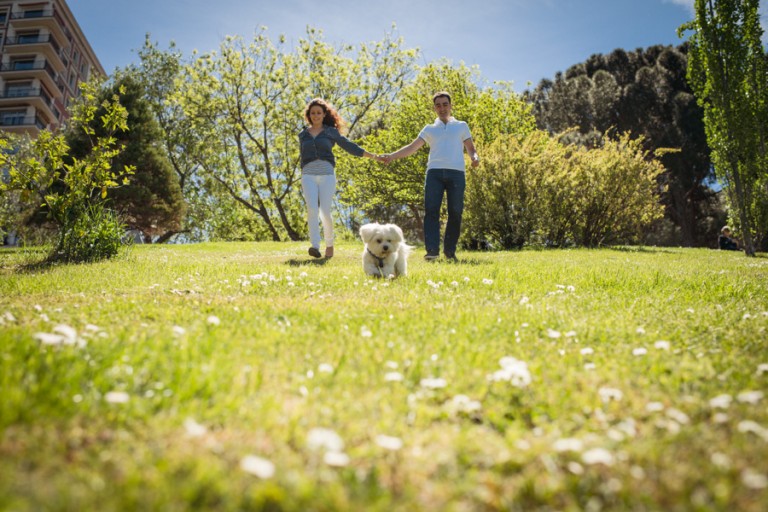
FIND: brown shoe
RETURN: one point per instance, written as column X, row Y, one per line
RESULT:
column 314, row 252
column 329, row 252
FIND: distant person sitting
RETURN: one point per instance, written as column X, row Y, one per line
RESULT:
column 726, row 241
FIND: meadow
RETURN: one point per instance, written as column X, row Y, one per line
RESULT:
column 248, row 376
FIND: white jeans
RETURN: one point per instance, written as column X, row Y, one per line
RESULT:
column 318, row 192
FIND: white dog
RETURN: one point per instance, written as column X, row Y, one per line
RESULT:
column 385, row 253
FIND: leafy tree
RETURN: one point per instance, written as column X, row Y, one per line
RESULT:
column 159, row 72
column 399, row 187
column 74, row 193
column 644, row 93
column 728, row 69
column 245, row 104
column 152, row 202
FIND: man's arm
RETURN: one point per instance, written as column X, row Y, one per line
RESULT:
column 405, row 151
column 472, row 152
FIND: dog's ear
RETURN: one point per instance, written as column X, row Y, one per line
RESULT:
column 397, row 231
column 366, row 232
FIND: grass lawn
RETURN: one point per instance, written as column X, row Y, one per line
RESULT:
column 247, row 376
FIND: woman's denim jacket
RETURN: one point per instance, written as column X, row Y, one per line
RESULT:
column 321, row 147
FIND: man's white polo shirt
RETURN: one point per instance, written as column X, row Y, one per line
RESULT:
column 446, row 143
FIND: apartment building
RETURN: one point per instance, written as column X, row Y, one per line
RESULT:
column 43, row 57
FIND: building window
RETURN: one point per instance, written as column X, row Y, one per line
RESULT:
column 34, row 13
column 72, row 80
column 12, row 117
column 28, row 37
column 18, row 89
column 3, row 17
column 22, row 64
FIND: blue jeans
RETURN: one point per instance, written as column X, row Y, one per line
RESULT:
column 452, row 183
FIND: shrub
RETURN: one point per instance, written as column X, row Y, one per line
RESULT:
column 537, row 191
column 94, row 234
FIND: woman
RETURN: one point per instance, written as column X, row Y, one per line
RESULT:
column 318, row 179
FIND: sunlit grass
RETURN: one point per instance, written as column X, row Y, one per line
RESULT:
column 250, row 376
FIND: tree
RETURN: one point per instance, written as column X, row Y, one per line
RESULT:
column 152, row 202
column 73, row 191
column 644, row 93
column 245, row 106
column 728, row 70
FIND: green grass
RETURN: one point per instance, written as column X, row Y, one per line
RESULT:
column 304, row 344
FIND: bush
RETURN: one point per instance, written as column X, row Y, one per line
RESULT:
column 95, row 233
column 536, row 191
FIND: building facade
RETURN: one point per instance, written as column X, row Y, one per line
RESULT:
column 43, row 57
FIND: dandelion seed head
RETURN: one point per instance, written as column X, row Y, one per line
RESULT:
column 587, row 351
column 257, row 466
column 324, row 439
column 662, row 345
column 178, row 330
column 610, row 394
column 720, row 460
column 754, row 480
column 389, row 442
column 365, row 332
column 325, row 368
column 117, row 397
column 762, row 368
column 551, row 333
column 213, row 320
column 597, row 456
column 193, row 428
column 46, row 338
column 336, row 459
column 721, row 401
column 568, row 444
column 677, row 415
column 750, row 397
column 640, row 351
column 433, row 383
column 393, row 377
column 487, row 281
column 654, row 406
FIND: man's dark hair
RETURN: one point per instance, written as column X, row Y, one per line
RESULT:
column 440, row 94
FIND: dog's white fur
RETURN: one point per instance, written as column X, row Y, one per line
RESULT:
column 386, row 245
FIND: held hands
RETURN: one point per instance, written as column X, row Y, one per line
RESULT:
column 383, row 159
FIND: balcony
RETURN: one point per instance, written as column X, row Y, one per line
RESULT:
column 42, row 71
column 30, row 125
column 35, row 96
column 45, row 44
column 37, row 18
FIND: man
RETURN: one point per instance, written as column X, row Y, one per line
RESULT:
column 446, row 174
column 726, row 241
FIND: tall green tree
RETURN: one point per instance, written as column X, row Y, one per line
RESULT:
column 644, row 93
column 246, row 101
column 728, row 70
column 151, row 203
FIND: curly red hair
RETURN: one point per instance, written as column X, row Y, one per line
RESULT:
column 332, row 118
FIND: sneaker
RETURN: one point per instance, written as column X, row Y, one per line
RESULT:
column 329, row 252
column 430, row 256
column 452, row 258
column 314, row 252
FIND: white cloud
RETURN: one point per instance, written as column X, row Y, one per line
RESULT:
column 685, row 3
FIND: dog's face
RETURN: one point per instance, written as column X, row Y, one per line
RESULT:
column 381, row 239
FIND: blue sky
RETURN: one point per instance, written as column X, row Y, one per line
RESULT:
column 513, row 40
